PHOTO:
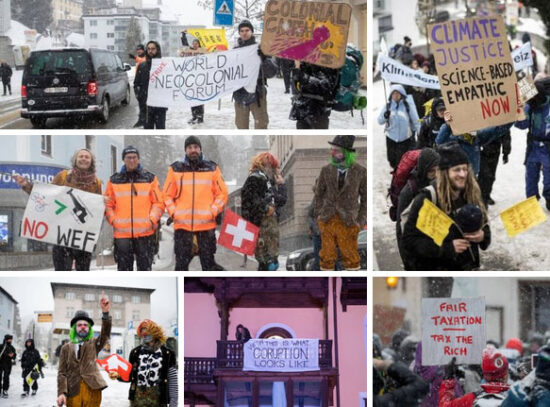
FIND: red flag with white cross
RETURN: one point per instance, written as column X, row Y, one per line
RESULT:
column 238, row 234
column 115, row 363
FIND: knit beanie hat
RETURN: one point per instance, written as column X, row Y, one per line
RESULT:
column 451, row 154
column 192, row 140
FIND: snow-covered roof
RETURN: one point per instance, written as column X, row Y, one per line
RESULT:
column 17, row 33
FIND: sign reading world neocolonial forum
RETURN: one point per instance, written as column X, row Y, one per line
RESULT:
column 281, row 355
column 476, row 72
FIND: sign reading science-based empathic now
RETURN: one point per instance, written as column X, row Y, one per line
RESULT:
column 476, row 72
column 198, row 79
column 281, row 355
column 452, row 328
column 63, row 216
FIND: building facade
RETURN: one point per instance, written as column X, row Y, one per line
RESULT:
column 67, row 13
column 358, row 33
column 8, row 315
column 129, row 306
column 39, row 158
column 5, row 16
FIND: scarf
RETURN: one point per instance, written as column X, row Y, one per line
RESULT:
column 81, row 179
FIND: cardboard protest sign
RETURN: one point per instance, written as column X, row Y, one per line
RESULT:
column 213, row 39
column 522, row 56
column 310, row 31
column 63, row 216
column 522, row 216
column 476, row 72
column 395, row 72
column 453, row 327
column 527, row 88
column 433, row 222
column 195, row 80
column 281, row 355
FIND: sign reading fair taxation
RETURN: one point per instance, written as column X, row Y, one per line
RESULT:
column 452, row 327
column 476, row 72
column 281, row 355
column 63, row 216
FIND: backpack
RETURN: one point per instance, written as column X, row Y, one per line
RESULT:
column 489, row 399
column 347, row 97
column 400, row 177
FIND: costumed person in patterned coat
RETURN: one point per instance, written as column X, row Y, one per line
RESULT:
column 154, row 377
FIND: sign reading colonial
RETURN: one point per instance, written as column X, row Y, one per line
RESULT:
column 63, row 216
column 452, row 328
column 281, row 355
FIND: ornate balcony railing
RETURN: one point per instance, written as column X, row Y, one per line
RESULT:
column 199, row 370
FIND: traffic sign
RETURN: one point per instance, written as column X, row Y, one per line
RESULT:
column 223, row 12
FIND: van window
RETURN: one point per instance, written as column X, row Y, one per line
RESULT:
column 55, row 62
column 102, row 61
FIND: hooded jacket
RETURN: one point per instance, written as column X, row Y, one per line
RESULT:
column 536, row 122
column 141, row 81
column 30, row 358
column 5, row 350
column 258, row 194
column 403, row 118
column 430, row 126
column 528, row 392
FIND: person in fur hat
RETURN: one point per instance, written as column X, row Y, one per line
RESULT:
column 154, row 377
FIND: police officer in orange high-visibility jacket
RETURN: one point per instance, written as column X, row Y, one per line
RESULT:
column 195, row 194
column 134, row 205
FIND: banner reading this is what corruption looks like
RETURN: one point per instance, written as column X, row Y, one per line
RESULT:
column 198, row 79
column 281, row 355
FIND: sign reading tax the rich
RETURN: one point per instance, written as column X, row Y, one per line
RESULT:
column 452, row 328
column 475, row 71
column 281, row 355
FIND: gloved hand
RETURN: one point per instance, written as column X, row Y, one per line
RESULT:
column 387, row 114
column 42, row 375
column 505, row 159
column 451, row 370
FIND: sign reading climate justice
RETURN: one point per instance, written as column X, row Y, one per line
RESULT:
column 452, row 327
column 195, row 80
column 475, row 71
column 281, row 355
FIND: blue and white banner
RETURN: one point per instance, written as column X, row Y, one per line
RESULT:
column 33, row 172
column 395, row 72
column 198, row 79
column 522, row 56
column 281, row 355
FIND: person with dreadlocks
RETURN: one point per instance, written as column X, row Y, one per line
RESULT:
column 340, row 205
column 81, row 176
column 263, row 195
column 154, row 377
column 79, row 381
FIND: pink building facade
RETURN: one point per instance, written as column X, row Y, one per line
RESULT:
column 332, row 310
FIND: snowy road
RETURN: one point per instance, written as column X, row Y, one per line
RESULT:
column 217, row 116
column 527, row 251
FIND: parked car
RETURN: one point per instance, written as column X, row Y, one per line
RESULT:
column 300, row 260
column 70, row 82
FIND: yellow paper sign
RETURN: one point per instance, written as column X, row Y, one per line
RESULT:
column 433, row 222
column 522, row 216
column 213, row 39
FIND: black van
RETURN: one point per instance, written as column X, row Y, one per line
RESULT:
column 73, row 82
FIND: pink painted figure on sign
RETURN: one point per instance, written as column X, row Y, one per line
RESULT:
column 301, row 51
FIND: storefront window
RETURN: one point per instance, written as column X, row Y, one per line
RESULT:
column 307, row 394
column 238, row 394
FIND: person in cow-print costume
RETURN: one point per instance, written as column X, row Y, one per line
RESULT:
column 154, row 376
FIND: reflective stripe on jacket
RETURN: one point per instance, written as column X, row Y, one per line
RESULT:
column 194, row 195
column 135, row 204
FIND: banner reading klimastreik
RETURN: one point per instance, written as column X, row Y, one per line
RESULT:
column 281, row 355
column 198, row 79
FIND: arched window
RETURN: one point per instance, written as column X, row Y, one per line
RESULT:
column 275, row 331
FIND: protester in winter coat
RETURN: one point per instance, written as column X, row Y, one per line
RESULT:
column 286, row 66
column 431, row 124
column 340, row 205
column 29, row 360
column 424, row 173
column 401, row 122
column 5, row 73
column 433, row 375
column 197, row 112
column 404, row 53
column 263, row 195
column 7, row 359
column 79, row 381
column 534, row 389
column 316, row 89
column 489, row 157
column 456, row 193
column 142, row 103
column 133, row 207
column 392, row 351
column 195, row 194
column 409, row 387
column 255, row 103
column 537, row 155
column 156, row 116
column 242, row 333
column 154, row 377
column 81, row 176
column 495, row 373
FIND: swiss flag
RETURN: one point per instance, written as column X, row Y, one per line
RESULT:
column 237, row 234
column 115, row 363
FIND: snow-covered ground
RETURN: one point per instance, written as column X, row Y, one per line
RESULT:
column 527, row 251
column 115, row 395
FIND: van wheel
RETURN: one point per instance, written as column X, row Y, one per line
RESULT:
column 38, row 122
column 104, row 115
column 126, row 99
